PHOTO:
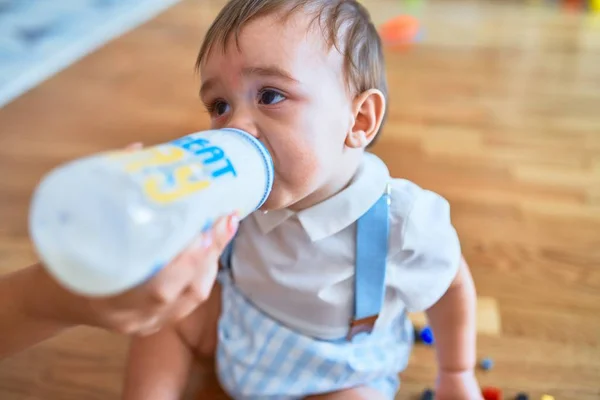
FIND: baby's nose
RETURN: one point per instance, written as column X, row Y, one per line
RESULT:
column 243, row 122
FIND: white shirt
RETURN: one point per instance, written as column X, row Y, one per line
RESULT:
column 299, row 267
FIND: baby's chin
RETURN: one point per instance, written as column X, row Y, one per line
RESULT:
column 291, row 195
column 276, row 201
column 280, row 198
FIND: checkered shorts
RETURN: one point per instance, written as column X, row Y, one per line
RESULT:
column 258, row 358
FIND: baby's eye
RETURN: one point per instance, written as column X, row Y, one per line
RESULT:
column 270, row 97
column 220, row 107
column 216, row 108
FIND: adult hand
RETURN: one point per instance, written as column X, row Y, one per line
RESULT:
column 35, row 307
column 173, row 293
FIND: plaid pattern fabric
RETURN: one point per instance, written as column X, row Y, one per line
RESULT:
column 258, row 358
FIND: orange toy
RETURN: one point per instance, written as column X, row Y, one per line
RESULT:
column 399, row 32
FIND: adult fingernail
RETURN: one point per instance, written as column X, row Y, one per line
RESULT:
column 232, row 223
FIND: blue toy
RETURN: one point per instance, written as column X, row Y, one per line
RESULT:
column 426, row 335
column 427, row 395
column 522, row 396
column 487, row 364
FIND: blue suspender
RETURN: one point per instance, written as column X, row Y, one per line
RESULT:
column 372, row 232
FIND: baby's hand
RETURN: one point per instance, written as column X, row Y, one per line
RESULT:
column 457, row 386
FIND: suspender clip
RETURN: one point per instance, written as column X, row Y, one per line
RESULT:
column 363, row 325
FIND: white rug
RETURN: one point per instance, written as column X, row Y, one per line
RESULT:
column 38, row 38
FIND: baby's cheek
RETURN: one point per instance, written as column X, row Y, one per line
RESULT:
column 297, row 163
column 298, row 177
column 306, row 170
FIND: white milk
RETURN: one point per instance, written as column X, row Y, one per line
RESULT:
column 106, row 223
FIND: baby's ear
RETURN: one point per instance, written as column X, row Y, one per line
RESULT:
column 368, row 109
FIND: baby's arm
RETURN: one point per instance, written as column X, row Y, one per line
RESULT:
column 432, row 276
column 158, row 367
column 452, row 320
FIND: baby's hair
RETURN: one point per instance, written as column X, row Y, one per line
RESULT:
column 345, row 24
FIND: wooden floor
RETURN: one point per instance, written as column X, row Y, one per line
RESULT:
column 497, row 108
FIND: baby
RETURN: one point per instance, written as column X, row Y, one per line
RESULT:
column 313, row 293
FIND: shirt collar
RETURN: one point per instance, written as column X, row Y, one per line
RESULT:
column 339, row 211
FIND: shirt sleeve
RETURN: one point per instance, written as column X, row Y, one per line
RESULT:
column 428, row 256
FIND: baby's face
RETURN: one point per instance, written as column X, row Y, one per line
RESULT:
column 285, row 87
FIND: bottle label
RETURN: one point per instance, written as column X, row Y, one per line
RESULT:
column 173, row 171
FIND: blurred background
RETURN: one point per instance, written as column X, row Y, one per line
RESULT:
column 493, row 104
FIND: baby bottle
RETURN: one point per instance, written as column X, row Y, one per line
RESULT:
column 106, row 223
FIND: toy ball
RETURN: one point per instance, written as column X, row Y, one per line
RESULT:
column 487, row 364
column 401, row 30
column 547, row 397
column 426, row 335
column 491, row 393
column 428, row 395
column 522, row 396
